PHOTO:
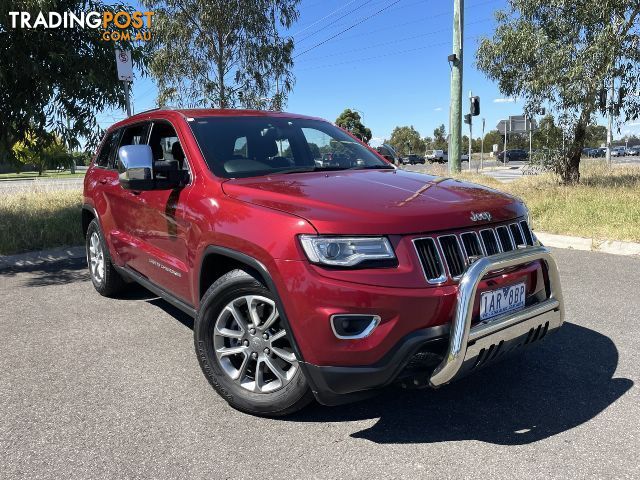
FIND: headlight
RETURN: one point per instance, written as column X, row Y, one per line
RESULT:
column 346, row 251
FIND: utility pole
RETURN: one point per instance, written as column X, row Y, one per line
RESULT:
column 482, row 146
column 455, row 108
column 470, row 128
column 610, row 126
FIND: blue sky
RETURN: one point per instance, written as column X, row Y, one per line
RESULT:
column 391, row 67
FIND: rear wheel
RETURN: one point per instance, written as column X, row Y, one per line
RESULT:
column 244, row 349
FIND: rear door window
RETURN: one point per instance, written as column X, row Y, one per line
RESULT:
column 105, row 156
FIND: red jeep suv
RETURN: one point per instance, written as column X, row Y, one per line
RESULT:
column 309, row 278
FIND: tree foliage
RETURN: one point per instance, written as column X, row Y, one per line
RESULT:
column 440, row 138
column 406, row 140
column 223, row 53
column 56, row 80
column 564, row 52
column 350, row 120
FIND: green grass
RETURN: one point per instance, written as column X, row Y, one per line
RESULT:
column 45, row 174
column 37, row 220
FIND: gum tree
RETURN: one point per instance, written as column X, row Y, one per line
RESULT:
column 351, row 121
column 54, row 81
column 563, row 53
column 222, row 53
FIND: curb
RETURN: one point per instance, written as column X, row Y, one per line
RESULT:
column 30, row 259
column 613, row 247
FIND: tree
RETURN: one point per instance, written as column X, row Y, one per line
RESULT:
column 407, row 140
column 491, row 138
column 548, row 135
column 350, row 121
column 57, row 79
column 223, row 53
column 440, row 138
column 564, row 52
column 42, row 151
column 595, row 135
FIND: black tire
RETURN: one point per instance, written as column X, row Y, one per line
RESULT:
column 290, row 398
column 110, row 283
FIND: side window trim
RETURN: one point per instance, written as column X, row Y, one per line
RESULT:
column 153, row 123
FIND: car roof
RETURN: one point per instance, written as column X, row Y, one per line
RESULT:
column 186, row 113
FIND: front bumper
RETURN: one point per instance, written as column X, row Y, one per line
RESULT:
column 463, row 348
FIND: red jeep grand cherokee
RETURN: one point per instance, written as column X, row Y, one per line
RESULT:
column 312, row 266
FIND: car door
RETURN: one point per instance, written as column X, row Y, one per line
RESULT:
column 157, row 226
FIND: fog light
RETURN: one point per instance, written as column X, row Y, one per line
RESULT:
column 353, row 326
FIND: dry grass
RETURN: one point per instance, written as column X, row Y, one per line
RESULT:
column 605, row 206
column 36, row 220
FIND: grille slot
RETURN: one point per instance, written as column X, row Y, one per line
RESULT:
column 490, row 242
column 452, row 255
column 526, row 231
column 430, row 259
column 471, row 244
column 505, row 239
column 516, row 233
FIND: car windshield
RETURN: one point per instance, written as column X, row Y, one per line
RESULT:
column 236, row 147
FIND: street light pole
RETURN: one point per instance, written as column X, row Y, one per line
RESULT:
column 455, row 108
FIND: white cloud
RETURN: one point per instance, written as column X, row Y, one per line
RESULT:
column 504, row 100
column 437, row 109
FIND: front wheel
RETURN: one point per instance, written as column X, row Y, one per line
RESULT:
column 244, row 349
column 106, row 280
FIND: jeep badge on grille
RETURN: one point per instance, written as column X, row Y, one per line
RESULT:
column 476, row 217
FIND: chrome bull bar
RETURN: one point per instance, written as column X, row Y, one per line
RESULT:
column 466, row 344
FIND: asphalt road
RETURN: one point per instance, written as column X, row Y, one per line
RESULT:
column 101, row 388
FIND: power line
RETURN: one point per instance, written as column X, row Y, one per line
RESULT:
column 334, row 22
column 347, row 29
column 376, row 57
column 323, row 18
column 392, row 42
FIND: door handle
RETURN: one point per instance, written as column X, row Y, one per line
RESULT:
column 103, row 181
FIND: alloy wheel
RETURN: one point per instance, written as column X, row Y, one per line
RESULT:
column 96, row 258
column 252, row 346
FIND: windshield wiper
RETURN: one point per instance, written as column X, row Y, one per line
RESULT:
column 308, row 169
column 373, row 167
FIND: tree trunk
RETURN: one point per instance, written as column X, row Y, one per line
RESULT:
column 569, row 166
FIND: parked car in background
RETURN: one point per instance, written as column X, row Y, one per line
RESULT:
column 389, row 153
column 635, row 150
column 618, row 152
column 413, row 159
column 439, row 156
column 513, row 155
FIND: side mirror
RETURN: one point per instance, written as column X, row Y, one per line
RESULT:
column 136, row 167
column 138, row 171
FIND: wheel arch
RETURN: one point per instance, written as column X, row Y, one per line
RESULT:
column 88, row 214
column 216, row 261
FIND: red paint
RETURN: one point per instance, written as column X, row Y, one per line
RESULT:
column 261, row 217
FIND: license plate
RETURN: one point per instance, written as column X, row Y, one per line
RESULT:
column 503, row 300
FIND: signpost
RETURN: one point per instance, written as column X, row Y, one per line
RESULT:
column 125, row 74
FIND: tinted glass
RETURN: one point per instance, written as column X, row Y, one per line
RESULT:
column 251, row 146
column 107, row 151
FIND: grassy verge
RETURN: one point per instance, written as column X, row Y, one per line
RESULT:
column 605, row 206
column 37, row 220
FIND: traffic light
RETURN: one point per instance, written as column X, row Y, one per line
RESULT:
column 467, row 119
column 602, row 99
column 475, row 106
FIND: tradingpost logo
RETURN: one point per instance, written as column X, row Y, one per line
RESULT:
column 116, row 26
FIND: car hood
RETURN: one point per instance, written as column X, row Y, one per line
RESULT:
column 365, row 202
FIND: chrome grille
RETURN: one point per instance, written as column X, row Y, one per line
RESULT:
column 449, row 256
column 506, row 243
column 452, row 255
column 430, row 260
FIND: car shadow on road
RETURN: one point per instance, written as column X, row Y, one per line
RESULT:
column 55, row 273
column 564, row 382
